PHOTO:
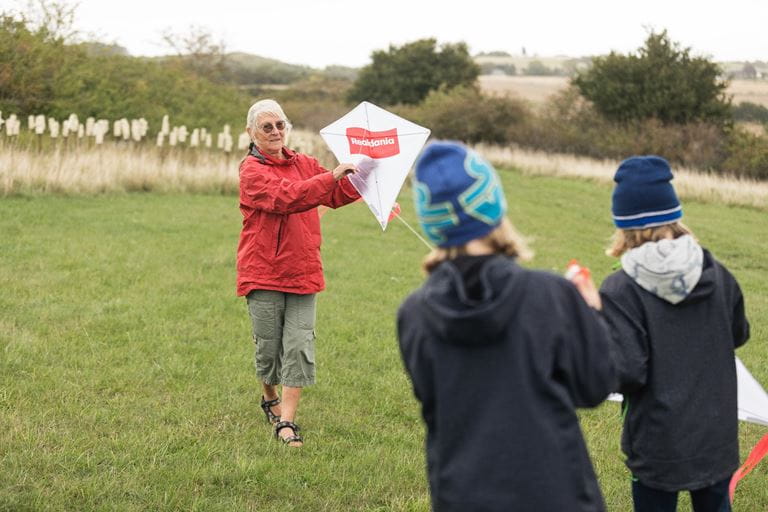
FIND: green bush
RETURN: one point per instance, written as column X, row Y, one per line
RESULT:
column 537, row 68
column 747, row 155
column 750, row 112
column 34, row 66
column 41, row 74
column 407, row 74
column 662, row 81
column 464, row 114
column 572, row 125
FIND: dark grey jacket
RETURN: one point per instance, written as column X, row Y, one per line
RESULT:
column 678, row 376
column 499, row 369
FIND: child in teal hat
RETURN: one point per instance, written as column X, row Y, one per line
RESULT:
column 499, row 356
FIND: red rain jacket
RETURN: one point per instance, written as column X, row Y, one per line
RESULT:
column 279, row 245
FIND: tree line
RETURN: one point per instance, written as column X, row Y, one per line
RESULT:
column 659, row 99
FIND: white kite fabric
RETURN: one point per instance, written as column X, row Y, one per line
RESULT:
column 753, row 402
column 752, row 399
column 383, row 146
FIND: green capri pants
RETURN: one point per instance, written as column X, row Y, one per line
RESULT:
column 284, row 334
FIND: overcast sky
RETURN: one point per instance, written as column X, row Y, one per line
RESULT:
column 320, row 33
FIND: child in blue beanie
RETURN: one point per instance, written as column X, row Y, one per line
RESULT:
column 677, row 315
column 499, row 356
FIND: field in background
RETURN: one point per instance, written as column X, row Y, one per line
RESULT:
column 755, row 91
column 537, row 89
column 689, row 183
column 129, row 167
column 126, row 380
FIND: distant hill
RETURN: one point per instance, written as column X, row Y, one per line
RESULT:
column 247, row 68
column 98, row 49
column 746, row 70
column 503, row 63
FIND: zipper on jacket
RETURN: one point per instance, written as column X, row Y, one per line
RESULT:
column 279, row 236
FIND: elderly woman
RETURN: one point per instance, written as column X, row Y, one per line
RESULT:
column 278, row 258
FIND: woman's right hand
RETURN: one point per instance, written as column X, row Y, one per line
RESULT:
column 342, row 170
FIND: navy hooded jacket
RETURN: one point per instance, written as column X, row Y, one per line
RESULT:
column 500, row 357
column 678, row 376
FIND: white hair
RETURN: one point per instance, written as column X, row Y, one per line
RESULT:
column 264, row 107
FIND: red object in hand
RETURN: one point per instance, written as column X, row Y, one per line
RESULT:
column 575, row 270
column 394, row 213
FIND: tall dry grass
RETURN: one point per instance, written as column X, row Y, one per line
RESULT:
column 116, row 168
column 689, row 183
column 128, row 167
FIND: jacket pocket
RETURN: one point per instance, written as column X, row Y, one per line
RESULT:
column 306, row 312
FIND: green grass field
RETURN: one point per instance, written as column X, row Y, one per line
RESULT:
column 126, row 375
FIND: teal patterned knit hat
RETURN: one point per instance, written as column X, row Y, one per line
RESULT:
column 457, row 194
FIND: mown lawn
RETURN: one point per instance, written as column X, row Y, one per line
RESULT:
column 126, row 375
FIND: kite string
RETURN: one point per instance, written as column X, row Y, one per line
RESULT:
column 414, row 231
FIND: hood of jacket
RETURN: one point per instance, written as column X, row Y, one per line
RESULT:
column 672, row 269
column 459, row 319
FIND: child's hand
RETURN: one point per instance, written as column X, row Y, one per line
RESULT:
column 581, row 277
column 587, row 288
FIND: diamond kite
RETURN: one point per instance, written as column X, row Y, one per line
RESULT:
column 383, row 146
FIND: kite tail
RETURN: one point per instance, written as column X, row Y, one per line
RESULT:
column 755, row 456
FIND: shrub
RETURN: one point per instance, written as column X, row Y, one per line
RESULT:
column 748, row 111
column 537, row 68
column 662, row 81
column 407, row 74
column 40, row 73
column 747, row 155
column 464, row 114
column 572, row 125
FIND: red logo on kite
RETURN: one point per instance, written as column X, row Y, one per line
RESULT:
column 373, row 144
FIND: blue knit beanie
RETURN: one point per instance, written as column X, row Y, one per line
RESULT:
column 457, row 194
column 644, row 196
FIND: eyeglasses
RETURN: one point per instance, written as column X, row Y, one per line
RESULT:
column 268, row 127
